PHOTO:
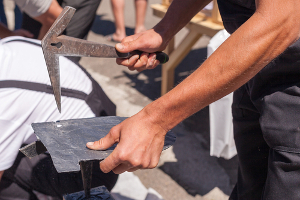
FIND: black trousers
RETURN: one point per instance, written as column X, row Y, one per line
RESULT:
column 29, row 178
column 266, row 118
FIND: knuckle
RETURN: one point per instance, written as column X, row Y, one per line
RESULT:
column 131, row 68
column 152, row 165
column 114, row 133
column 104, row 169
column 136, row 162
column 123, row 156
column 119, row 61
column 98, row 143
column 143, row 62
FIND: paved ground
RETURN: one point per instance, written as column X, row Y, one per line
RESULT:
column 186, row 171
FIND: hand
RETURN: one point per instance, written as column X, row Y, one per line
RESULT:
column 140, row 143
column 22, row 32
column 148, row 41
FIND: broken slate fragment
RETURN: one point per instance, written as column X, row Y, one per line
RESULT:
column 66, row 140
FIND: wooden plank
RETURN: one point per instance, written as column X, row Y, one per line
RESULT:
column 216, row 14
column 203, row 23
column 175, row 58
column 199, row 23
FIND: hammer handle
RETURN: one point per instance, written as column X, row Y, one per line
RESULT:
column 160, row 56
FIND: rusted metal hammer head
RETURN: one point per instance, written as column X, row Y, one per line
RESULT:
column 51, row 45
column 54, row 44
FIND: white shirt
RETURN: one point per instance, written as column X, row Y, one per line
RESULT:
column 34, row 8
column 19, row 108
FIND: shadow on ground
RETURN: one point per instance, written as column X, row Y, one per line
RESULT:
column 195, row 170
column 106, row 27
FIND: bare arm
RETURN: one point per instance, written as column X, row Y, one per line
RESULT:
column 156, row 39
column 272, row 28
column 5, row 32
column 47, row 18
column 1, row 173
column 261, row 39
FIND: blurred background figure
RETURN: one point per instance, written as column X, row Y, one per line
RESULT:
column 26, row 97
column 78, row 27
column 13, row 28
column 118, row 11
column 16, row 14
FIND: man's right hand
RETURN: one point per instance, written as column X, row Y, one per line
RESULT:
column 148, row 41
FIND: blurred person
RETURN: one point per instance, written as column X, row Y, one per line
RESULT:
column 4, row 30
column 2, row 13
column 79, row 25
column 26, row 97
column 43, row 11
column 259, row 61
column 118, row 11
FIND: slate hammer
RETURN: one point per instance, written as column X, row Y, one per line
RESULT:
column 54, row 44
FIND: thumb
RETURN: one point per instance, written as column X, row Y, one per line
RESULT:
column 103, row 143
column 129, row 44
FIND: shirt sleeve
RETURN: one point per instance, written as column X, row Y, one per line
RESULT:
column 34, row 8
column 12, row 137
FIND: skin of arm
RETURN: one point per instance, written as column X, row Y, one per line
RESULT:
column 47, row 18
column 273, row 27
column 5, row 32
column 1, row 173
column 156, row 39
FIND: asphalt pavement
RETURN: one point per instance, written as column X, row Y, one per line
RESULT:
column 186, row 171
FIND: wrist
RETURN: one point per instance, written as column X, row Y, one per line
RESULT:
column 165, row 31
column 162, row 113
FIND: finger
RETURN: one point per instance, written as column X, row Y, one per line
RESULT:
column 131, row 38
column 156, row 63
column 123, row 167
column 129, row 46
column 133, row 169
column 128, row 62
column 141, row 63
column 110, row 163
column 104, row 143
column 151, row 61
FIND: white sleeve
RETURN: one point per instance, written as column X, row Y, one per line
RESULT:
column 34, row 8
column 11, row 139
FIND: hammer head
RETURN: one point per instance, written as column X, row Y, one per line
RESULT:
column 51, row 45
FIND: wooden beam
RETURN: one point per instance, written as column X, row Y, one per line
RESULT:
column 199, row 25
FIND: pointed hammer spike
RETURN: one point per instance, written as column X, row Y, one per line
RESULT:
column 51, row 58
column 52, row 62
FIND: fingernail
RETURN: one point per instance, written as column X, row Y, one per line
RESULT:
column 90, row 144
column 153, row 59
column 120, row 46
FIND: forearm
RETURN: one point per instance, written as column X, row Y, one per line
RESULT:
column 262, row 38
column 47, row 18
column 1, row 173
column 4, row 31
column 178, row 15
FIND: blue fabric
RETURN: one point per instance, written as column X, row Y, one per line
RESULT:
column 2, row 13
